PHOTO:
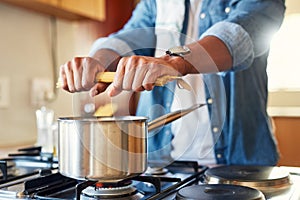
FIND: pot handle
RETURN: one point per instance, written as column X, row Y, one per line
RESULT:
column 170, row 117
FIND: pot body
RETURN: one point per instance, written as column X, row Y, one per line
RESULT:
column 106, row 149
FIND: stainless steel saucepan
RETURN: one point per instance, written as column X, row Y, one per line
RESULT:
column 107, row 149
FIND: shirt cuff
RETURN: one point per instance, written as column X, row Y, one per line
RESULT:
column 237, row 41
column 114, row 44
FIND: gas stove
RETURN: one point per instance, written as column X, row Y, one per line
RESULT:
column 30, row 174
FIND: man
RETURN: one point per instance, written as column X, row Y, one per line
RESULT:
column 224, row 59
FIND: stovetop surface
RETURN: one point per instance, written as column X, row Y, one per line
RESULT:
column 37, row 177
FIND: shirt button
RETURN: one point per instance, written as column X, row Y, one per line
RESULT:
column 210, row 101
column 202, row 15
column 219, row 155
column 168, row 104
column 215, row 129
column 227, row 10
column 167, row 132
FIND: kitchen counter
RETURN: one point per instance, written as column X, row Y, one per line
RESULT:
column 4, row 151
column 284, row 111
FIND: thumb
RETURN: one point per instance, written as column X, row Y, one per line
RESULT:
column 112, row 91
column 97, row 89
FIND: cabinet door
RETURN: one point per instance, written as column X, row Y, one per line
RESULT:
column 68, row 9
column 90, row 8
column 287, row 132
column 100, row 10
column 49, row 2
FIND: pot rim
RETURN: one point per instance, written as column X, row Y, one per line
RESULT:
column 103, row 119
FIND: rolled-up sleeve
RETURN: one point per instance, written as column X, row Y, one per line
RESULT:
column 237, row 41
column 248, row 29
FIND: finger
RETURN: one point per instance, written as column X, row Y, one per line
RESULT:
column 112, row 91
column 119, row 77
column 137, row 84
column 62, row 81
column 117, row 84
column 89, row 72
column 69, row 76
column 150, row 78
column 98, row 88
column 129, row 75
column 77, row 73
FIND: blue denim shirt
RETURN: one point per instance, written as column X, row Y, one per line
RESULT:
column 236, row 98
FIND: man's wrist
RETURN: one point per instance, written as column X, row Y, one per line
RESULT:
column 180, row 55
column 178, row 51
column 178, row 63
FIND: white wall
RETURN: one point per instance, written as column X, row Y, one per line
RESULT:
column 25, row 54
column 284, row 66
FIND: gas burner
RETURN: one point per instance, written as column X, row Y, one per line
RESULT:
column 267, row 179
column 107, row 185
column 116, row 190
column 218, row 192
column 156, row 171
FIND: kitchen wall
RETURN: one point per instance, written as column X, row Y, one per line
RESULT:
column 25, row 54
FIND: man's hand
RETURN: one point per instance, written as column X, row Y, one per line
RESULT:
column 79, row 74
column 138, row 73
